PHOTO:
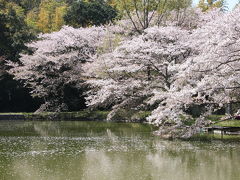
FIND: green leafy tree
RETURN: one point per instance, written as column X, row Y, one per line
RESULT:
column 59, row 17
column 50, row 16
column 142, row 13
column 14, row 33
column 32, row 18
column 209, row 4
column 87, row 13
column 27, row 5
column 13, row 30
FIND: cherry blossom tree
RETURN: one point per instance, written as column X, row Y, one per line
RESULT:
column 209, row 77
column 170, row 69
column 129, row 76
column 56, row 62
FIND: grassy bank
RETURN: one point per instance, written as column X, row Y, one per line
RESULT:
column 85, row 115
column 216, row 119
column 215, row 137
column 229, row 123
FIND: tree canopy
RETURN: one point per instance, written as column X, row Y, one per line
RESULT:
column 13, row 30
column 88, row 13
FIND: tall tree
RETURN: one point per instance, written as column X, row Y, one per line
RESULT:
column 211, row 77
column 55, row 65
column 88, row 13
column 14, row 31
column 144, row 13
column 137, row 69
column 50, row 16
column 13, row 34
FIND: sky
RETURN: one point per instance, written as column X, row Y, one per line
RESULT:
column 230, row 3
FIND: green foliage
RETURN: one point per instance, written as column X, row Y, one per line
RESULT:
column 178, row 4
column 13, row 30
column 215, row 118
column 14, row 33
column 50, row 16
column 27, row 5
column 214, row 137
column 187, row 121
column 142, row 115
column 85, row 115
column 130, row 5
column 229, row 123
column 130, row 115
column 210, row 4
column 88, row 13
column 41, row 15
column 32, row 18
column 143, row 13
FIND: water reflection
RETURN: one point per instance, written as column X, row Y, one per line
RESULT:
column 108, row 151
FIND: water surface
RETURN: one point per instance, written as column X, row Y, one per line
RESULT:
column 108, row 151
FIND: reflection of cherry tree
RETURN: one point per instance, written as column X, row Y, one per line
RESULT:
column 56, row 62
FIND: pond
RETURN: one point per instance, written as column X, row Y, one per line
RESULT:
column 70, row 150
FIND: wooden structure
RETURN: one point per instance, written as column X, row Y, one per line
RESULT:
column 223, row 130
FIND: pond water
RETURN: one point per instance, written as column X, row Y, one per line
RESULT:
column 108, row 151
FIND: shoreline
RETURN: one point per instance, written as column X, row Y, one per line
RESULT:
column 84, row 115
column 87, row 115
